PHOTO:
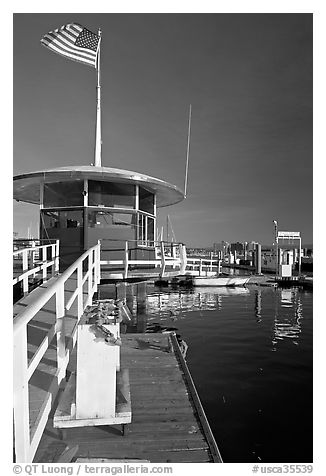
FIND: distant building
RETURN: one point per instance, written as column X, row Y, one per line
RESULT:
column 221, row 249
column 237, row 247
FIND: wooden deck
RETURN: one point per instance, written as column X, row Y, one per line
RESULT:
column 166, row 426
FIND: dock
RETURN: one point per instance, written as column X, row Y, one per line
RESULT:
column 188, row 280
column 168, row 423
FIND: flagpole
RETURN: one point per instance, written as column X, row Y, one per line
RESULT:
column 98, row 138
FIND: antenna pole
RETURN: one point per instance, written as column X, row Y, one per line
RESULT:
column 188, row 147
column 98, row 138
column 172, row 231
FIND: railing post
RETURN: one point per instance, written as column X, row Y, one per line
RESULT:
column 21, row 398
column 93, row 272
column 156, row 249
column 44, row 260
column 89, row 279
column 25, row 268
column 126, row 261
column 200, row 267
column 80, row 291
column 183, row 258
column 56, row 268
column 173, row 254
column 219, row 266
column 98, row 262
column 53, row 248
column 60, row 331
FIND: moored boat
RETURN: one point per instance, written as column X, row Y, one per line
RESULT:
column 220, row 280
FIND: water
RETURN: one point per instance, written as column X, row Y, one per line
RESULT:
column 250, row 355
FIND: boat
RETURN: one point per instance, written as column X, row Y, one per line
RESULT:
column 220, row 280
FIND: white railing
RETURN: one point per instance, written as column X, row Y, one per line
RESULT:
column 28, row 262
column 25, row 443
column 166, row 256
column 204, row 266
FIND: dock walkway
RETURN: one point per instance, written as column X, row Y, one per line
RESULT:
column 166, row 426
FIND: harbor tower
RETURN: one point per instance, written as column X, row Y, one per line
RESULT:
column 80, row 205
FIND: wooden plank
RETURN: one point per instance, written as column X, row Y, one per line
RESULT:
column 165, row 426
column 110, row 460
column 68, row 454
column 187, row 455
column 160, row 430
column 122, row 445
column 200, row 411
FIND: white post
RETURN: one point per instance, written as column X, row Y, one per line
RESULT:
column 21, row 399
column 173, row 254
column 60, row 331
column 53, row 248
column 56, row 268
column 44, row 263
column 80, row 290
column 98, row 262
column 25, row 268
column 93, row 272
column 126, row 261
column 299, row 262
column 183, row 258
column 89, row 283
column 98, row 138
column 276, row 247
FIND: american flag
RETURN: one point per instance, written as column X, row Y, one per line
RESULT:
column 74, row 42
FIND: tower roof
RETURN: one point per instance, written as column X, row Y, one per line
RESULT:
column 27, row 186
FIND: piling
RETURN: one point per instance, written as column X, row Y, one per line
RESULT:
column 257, row 260
column 141, row 307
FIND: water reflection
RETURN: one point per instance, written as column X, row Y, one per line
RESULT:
column 258, row 307
column 281, row 307
column 287, row 313
column 287, row 323
column 176, row 304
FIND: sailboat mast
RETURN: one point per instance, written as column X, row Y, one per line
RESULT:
column 188, row 147
column 98, row 138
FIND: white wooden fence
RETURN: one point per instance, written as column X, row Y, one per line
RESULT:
column 204, row 266
column 87, row 269
column 28, row 262
column 167, row 256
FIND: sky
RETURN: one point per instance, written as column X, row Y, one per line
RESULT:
column 249, row 80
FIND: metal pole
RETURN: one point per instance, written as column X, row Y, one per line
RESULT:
column 98, row 138
column 188, row 147
column 276, row 246
column 299, row 261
